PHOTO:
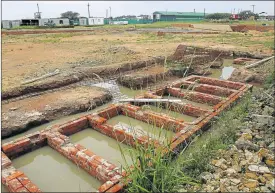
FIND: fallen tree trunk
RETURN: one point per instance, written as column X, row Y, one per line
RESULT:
column 258, row 63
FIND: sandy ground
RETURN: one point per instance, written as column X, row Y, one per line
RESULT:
column 22, row 114
column 32, row 55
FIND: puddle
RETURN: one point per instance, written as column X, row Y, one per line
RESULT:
column 58, row 121
column 52, row 172
column 118, row 91
column 225, row 72
column 104, row 146
column 141, row 127
column 182, row 117
column 201, row 105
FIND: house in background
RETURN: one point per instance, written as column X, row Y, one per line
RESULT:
column 177, row 16
column 96, row 21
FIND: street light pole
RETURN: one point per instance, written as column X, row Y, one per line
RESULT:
column 110, row 11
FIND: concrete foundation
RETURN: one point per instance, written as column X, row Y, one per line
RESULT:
column 218, row 93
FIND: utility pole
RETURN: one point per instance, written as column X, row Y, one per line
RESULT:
column 89, row 10
column 253, row 7
column 106, row 13
column 204, row 12
column 110, row 12
column 194, row 10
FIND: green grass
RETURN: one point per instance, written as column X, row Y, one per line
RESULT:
column 220, row 136
column 270, row 80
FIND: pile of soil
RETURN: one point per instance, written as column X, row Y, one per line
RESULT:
column 144, row 77
column 245, row 28
column 21, row 115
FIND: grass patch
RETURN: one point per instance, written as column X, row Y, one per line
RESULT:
column 221, row 135
column 151, row 172
column 270, row 80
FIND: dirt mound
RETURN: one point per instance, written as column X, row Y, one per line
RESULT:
column 21, row 115
column 64, row 79
column 182, row 25
column 144, row 77
column 245, row 28
column 121, row 50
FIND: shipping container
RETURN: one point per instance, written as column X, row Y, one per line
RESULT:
column 96, row 21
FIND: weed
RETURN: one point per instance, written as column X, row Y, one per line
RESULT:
column 220, row 136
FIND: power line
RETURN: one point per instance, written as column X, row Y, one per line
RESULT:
column 89, row 10
column 253, row 7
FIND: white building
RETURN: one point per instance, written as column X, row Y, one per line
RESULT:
column 96, row 21
column 55, row 21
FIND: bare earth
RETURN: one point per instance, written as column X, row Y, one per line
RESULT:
column 36, row 110
column 33, row 55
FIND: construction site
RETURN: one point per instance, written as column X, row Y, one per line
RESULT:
column 92, row 109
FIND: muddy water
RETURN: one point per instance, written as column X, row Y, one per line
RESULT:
column 225, row 72
column 3, row 188
column 182, row 117
column 52, row 172
column 104, row 146
column 118, row 92
column 201, row 105
column 144, row 128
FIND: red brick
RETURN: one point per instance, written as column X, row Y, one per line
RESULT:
column 8, row 147
column 14, row 184
column 23, row 189
column 79, row 147
column 89, row 153
column 23, row 179
column 32, row 187
column 14, row 175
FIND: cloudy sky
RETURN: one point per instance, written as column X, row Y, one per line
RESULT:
column 26, row 9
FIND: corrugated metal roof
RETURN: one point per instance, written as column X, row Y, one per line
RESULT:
column 179, row 13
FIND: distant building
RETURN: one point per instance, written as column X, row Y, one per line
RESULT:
column 6, row 24
column 270, row 17
column 177, row 16
column 54, row 22
column 96, row 21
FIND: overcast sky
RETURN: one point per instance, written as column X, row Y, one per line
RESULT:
column 25, row 9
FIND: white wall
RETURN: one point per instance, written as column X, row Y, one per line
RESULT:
column 96, row 21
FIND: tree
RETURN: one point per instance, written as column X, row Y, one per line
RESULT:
column 247, row 14
column 70, row 14
column 218, row 16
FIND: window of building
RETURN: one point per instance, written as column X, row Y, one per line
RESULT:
column 60, row 21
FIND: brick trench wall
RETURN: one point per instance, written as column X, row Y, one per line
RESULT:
column 95, row 165
column 14, row 180
column 195, row 96
column 216, row 82
column 120, row 134
column 98, row 167
column 25, row 144
column 205, row 88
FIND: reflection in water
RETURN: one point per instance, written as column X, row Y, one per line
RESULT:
column 104, row 146
column 225, row 72
column 52, row 172
column 141, row 127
